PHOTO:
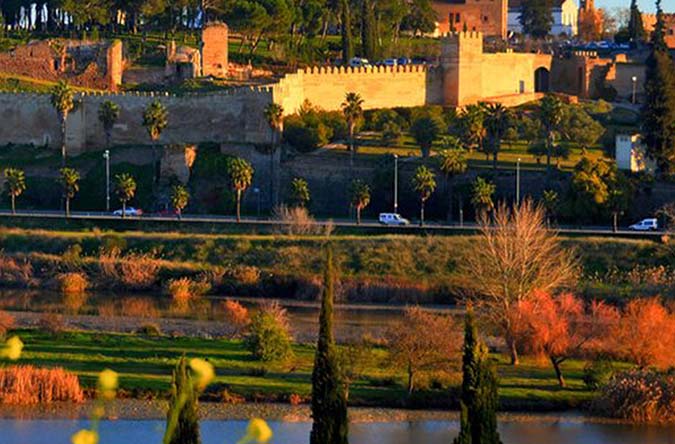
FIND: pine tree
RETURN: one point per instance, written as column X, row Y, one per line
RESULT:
column 658, row 112
column 329, row 403
column 636, row 29
column 478, row 403
column 182, row 419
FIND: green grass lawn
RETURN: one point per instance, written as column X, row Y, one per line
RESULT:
column 145, row 364
column 371, row 145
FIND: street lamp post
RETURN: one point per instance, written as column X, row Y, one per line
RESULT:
column 634, row 80
column 256, row 191
column 106, row 156
column 518, row 181
column 395, row 183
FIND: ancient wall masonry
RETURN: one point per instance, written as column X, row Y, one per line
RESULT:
column 215, row 50
column 81, row 63
column 231, row 116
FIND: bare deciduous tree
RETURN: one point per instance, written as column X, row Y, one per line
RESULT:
column 423, row 341
column 514, row 256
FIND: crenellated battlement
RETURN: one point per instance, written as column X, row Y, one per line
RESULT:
column 237, row 91
column 314, row 70
column 463, row 35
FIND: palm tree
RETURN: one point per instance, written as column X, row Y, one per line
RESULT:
column 360, row 197
column 481, row 195
column 69, row 179
column 179, row 198
column 300, row 194
column 63, row 103
column 472, row 124
column 241, row 176
column 125, row 188
column 550, row 114
column 15, row 184
column 452, row 162
column 274, row 114
column 155, row 119
column 424, row 183
column 108, row 113
column 352, row 108
column 425, row 131
column 497, row 120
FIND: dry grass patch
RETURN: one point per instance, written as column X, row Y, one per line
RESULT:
column 28, row 385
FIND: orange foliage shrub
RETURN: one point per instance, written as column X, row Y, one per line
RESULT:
column 137, row 271
column 6, row 323
column 645, row 334
column 561, row 327
column 73, row 283
column 28, row 385
column 236, row 316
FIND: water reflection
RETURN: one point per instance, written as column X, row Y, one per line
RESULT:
column 410, row 432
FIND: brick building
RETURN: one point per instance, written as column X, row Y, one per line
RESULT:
column 486, row 16
column 649, row 21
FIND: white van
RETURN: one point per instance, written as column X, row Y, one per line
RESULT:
column 393, row 219
column 645, row 225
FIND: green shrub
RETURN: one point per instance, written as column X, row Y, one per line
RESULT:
column 269, row 339
column 598, row 372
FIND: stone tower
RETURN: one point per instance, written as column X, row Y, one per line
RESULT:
column 461, row 61
column 214, row 50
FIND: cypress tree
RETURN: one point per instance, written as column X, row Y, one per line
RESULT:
column 658, row 112
column 636, row 29
column 368, row 29
column 346, row 31
column 478, row 401
column 329, row 402
column 182, row 423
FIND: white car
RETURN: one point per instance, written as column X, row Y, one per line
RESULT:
column 645, row 225
column 358, row 62
column 393, row 219
column 130, row 211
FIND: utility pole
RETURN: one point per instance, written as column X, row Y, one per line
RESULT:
column 396, row 183
column 106, row 156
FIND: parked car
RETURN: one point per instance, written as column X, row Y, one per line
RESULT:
column 393, row 219
column 645, row 225
column 130, row 211
column 403, row 61
column 389, row 62
column 358, row 62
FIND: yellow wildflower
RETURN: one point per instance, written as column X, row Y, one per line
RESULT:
column 13, row 347
column 257, row 432
column 85, row 437
column 204, row 371
column 107, row 383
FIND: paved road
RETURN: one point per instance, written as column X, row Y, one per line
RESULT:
column 370, row 224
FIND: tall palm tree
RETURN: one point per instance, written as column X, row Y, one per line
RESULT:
column 155, row 119
column 452, row 162
column 360, row 197
column 241, row 177
column 108, row 113
column 481, row 195
column 497, row 119
column 179, row 198
column 550, row 114
column 274, row 114
column 63, row 103
column 15, row 184
column 424, row 183
column 472, row 124
column 70, row 181
column 125, row 188
column 352, row 108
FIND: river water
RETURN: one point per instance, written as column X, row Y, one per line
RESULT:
column 561, row 431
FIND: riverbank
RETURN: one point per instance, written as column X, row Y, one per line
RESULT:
column 376, row 269
column 145, row 363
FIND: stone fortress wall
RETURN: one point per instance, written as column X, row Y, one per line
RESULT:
column 465, row 75
column 229, row 117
